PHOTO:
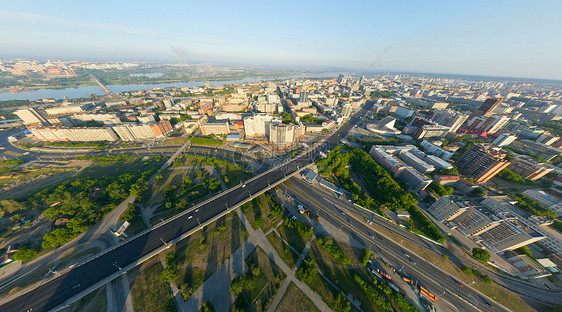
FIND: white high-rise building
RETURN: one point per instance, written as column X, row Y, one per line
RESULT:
column 281, row 136
column 346, row 110
column 258, row 124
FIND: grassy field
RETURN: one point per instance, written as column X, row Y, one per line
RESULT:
column 509, row 186
column 200, row 255
column 130, row 164
column 341, row 276
column 148, row 292
column 287, row 254
column 93, row 302
column 295, row 300
column 174, row 140
column 260, row 209
column 266, row 284
column 293, row 237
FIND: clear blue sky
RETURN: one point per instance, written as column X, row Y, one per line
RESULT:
column 502, row 38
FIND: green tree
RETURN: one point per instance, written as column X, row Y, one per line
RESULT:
column 25, row 253
column 481, row 255
column 169, row 275
column 479, row 192
column 366, row 256
column 171, row 258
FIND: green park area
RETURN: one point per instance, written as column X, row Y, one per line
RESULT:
column 381, row 190
column 54, row 215
column 295, row 300
column 148, row 292
column 190, row 180
column 197, row 257
column 255, row 289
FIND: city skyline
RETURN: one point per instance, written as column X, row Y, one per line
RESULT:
column 516, row 40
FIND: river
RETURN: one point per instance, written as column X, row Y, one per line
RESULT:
column 86, row 91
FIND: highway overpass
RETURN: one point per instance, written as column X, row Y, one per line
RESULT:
column 72, row 285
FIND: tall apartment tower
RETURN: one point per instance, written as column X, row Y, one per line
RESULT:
column 346, row 110
column 281, row 136
column 303, row 97
column 482, row 162
column 487, row 108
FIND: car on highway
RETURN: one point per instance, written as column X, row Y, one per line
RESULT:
column 405, row 254
column 243, row 185
column 191, row 216
column 411, row 260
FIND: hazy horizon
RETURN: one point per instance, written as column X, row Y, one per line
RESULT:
column 503, row 39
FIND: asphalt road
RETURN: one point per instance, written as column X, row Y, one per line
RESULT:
column 544, row 296
column 56, row 291
column 438, row 282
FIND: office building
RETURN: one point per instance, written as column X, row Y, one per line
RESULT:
column 528, row 169
column 449, row 118
column 31, row 117
column 384, row 157
column 403, row 112
column 436, row 150
column 431, row 131
column 504, row 140
column 65, row 109
column 107, row 119
column 384, row 127
column 487, row 108
column 490, row 124
column 497, row 231
column 268, row 108
column 64, row 134
column 447, row 208
column 414, row 179
column 481, row 162
column 414, row 161
column 216, row 128
column 544, row 199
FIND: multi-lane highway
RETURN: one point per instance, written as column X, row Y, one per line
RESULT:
column 523, row 288
column 56, row 291
column 440, row 283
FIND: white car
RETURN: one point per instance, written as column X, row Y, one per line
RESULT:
column 189, row 217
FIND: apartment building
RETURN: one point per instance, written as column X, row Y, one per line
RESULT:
column 64, row 134
column 481, row 162
column 528, row 169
